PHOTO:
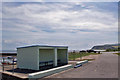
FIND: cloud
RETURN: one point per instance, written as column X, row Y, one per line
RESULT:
column 0, row 26
column 74, row 24
column 61, row 1
column 40, row 14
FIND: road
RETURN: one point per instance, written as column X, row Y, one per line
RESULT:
column 105, row 66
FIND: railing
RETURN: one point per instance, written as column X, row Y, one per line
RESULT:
column 7, row 62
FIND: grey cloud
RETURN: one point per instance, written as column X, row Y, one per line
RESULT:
column 57, row 24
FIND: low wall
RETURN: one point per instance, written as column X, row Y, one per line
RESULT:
column 48, row 72
column 82, row 62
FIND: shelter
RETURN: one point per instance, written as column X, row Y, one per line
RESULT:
column 37, row 57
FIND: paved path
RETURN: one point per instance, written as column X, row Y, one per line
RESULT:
column 105, row 66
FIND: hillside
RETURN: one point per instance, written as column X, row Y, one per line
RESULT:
column 105, row 47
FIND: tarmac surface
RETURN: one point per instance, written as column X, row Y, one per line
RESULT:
column 105, row 66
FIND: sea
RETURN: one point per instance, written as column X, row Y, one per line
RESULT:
column 6, row 60
column 6, row 51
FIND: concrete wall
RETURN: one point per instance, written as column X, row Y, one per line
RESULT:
column 62, row 55
column 28, row 58
column 46, row 54
column 41, row 74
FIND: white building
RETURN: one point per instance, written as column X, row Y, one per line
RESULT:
column 38, row 56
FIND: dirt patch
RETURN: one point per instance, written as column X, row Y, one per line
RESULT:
column 90, row 57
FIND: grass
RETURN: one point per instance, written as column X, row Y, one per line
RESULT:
column 87, row 59
column 73, row 56
column 117, row 54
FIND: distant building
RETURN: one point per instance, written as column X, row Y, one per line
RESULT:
column 38, row 56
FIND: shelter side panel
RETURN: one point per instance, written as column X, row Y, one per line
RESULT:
column 62, row 56
column 27, row 58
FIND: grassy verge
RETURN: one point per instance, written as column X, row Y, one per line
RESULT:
column 87, row 59
column 117, row 54
column 73, row 56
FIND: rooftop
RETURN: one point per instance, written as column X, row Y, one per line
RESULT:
column 42, row 46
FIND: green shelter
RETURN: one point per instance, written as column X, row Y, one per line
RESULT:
column 37, row 57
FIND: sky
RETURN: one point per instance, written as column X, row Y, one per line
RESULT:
column 78, row 25
column 60, row 0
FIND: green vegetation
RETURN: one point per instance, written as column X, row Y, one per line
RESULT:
column 117, row 53
column 73, row 56
column 111, row 50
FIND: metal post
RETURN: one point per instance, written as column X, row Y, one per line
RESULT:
column 13, row 65
column 55, row 57
column 3, row 64
column 67, row 56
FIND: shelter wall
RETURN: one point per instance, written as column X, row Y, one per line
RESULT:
column 62, row 55
column 27, row 58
